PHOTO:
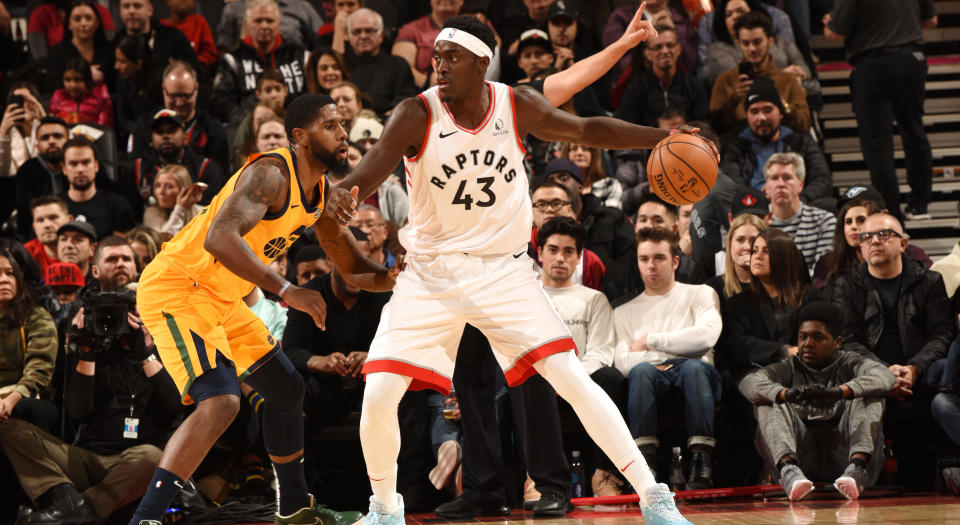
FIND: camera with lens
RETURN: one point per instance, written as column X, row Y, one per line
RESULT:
column 105, row 319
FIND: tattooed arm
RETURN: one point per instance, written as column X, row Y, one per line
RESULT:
column 344, row 252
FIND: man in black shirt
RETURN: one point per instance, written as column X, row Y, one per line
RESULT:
column 125, row 404
column 43, row 174
column 106, row 211
column 386, row 78
column 884, row 43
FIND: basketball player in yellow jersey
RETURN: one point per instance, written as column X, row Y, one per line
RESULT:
column 190, row 299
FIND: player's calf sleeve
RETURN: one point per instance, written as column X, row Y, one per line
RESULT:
column 380, row 433
column 599, row 416
column 283, row 390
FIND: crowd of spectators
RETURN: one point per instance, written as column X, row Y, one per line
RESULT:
column 775, row 299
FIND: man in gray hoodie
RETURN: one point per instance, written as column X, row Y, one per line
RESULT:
column 820, row 412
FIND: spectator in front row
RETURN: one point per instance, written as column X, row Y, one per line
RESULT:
column 49, row 214
column 760, row 323
column 311, row 262
column 175, row 198
column 755, row 36
column 590, row 319
column 595, row 180
column 76, row 241
column 106, row 211
column 263, row 48
column 85, row 39
column 384, row 77
column 106, row 468
column 746, row 154
column 81, row 100
column 810, row 227
column 663, row 86
column 820, row 411
column 28, row 349
column 665, row 338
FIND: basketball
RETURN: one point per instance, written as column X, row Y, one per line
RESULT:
column 682, row 169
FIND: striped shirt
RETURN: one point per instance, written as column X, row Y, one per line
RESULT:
column 812, row 229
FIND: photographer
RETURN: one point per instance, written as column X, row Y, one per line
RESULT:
column 118, row 393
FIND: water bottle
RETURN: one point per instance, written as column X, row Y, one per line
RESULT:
column 677, row 479
column 576, row 473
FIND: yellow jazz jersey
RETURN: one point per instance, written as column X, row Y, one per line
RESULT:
column 268, row 239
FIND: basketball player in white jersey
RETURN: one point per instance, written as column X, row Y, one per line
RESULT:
column 469, row 222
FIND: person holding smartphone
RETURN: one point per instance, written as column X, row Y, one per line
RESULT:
column 21, row 118
column 176, row 199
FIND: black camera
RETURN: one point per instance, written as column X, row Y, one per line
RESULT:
column 105, row 318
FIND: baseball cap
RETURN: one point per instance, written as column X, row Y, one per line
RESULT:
column 559, row 10
column 564, row 166
column 79, row 226
column 63, row 274
column 365, row 128
column 763, row 90
column 166, row 115
column 865, row 192
column 750, row 200
column 534, row 37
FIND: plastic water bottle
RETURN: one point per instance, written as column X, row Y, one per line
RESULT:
column 576, row 474
column 677, row 479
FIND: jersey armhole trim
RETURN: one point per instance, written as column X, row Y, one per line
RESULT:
column 516, row 128
column 426, row 134
column 272, row 216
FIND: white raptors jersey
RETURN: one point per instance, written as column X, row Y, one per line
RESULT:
column 468, row 189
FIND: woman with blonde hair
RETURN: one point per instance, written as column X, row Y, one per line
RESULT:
column 175, row 197
column 736, row 270
column 595, row 179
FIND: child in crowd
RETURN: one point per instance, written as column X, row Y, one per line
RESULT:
column 80, row 100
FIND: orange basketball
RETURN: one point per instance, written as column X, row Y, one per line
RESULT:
column 682, row 169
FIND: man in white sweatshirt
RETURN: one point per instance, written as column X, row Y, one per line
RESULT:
column 665, row 339
column 588, row 315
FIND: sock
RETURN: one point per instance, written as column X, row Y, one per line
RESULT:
column 292, row 486
column 384, row 485
column 600, row 417
column 162, row 489
column 252, row 467
column 860, row 462
column 785, row 462
column 255, row 400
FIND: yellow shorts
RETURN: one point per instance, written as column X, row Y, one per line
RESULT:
column 190, row 327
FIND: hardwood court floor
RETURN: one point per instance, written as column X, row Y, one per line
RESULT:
column 926, row 510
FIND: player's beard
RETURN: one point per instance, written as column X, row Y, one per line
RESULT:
column 334, row 166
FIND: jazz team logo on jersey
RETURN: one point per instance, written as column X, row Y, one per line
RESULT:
column 274, row 247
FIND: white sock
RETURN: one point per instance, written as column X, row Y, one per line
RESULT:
column 380, row 433
column 600, row 417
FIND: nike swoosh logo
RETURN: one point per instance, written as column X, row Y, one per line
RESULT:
column 447, row 135
column 624, row 469
column 518, row 255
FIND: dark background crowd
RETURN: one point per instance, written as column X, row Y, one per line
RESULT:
column 778, row 298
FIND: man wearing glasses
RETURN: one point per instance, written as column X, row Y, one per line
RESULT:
column 663, row 85
column 386, row 78
column 898, row 313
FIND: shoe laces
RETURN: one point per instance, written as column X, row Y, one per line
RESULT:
column 662, row 504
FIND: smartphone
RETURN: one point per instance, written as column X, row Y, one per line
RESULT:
column 746, row 68
column 15, row 99
column 201, row 185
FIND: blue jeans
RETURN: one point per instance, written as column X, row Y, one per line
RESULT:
column 700, row 384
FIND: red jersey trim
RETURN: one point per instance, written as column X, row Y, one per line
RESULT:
column 423, row 378
column 486, row 118
column 516, row 129
column 426, row 134
column 523, row 368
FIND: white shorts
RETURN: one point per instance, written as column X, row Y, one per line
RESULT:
column 435, row 296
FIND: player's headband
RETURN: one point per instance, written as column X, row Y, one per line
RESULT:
column 468, row 41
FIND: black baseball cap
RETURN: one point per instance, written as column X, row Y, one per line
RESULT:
column 559, row 10
column 863, row 192
column 79, row 226
column 750, row 200
column 534, row 37
column 564, row 166
column 166, row 115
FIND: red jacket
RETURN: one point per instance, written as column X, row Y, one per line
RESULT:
column 198, row 33
column 593, row 267
column 93, row 108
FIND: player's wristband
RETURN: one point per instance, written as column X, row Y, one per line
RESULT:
column 283, row 288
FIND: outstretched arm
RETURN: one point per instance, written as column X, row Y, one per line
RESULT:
column 403, row 135
column 559, row 87
column 344, row 252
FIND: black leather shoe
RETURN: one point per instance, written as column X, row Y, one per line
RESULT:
column 551, row 504
column 63, row 505
column 461, row 508
column 701, row 469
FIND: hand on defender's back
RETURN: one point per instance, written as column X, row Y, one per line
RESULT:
column 696, row 131
column 341, row 205
column 309, row 302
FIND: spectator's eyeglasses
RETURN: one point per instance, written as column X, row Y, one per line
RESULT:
column 553, row 205
column 880, row 235
column 666, row 45
column 184, row 96
column 364, row 30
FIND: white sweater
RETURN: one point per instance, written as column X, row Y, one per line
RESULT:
column 684, row 322
column 589, row 317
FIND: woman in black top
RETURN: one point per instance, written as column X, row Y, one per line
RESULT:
column 83, row 37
